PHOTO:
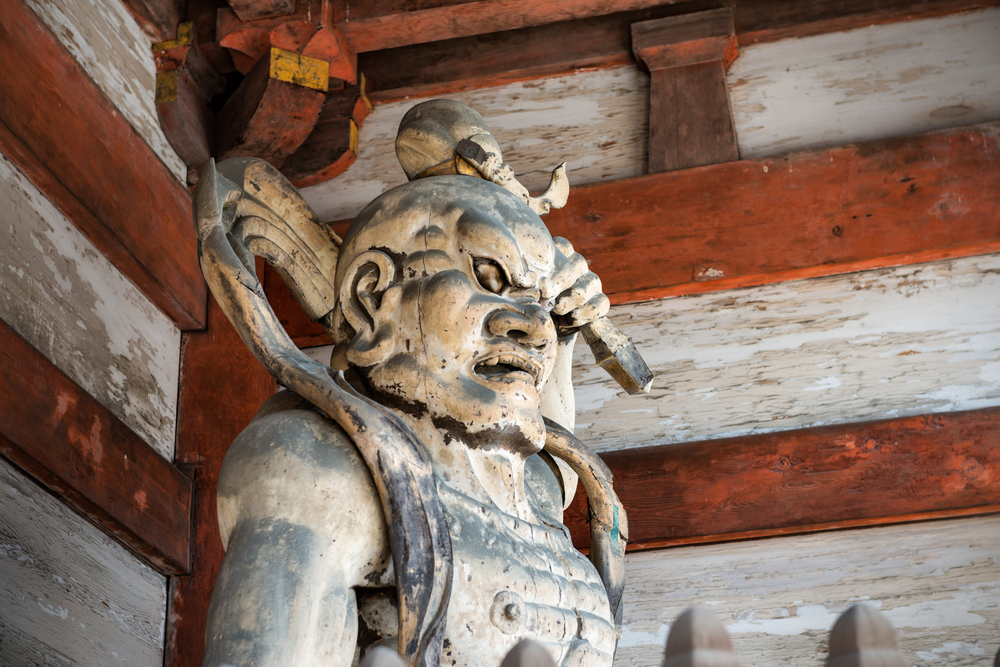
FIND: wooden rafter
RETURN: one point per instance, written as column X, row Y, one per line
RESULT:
column 437, row 65
column 830, row 477
column 60, row 435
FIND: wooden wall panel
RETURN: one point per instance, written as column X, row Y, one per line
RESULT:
column 870, row 83
column 74, row 306
column 936, row 582
column 62, row 131
column 68, row 594
column 104, row 38
column 857, row 347
column 596, row 121
column 61, row 436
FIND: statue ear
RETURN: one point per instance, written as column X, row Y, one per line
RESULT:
column 367, row 278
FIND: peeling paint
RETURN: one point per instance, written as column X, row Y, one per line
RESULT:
column 871, row 345
column 596, row 121
column 75, row 307
column 871, row 83
column 106, row 41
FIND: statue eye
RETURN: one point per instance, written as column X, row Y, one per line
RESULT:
column 490, row 276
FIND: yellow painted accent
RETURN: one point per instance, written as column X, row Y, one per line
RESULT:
column 185, row 37
column 354, row 137
column 364, row 97
column 300, row 70
column 166, row 87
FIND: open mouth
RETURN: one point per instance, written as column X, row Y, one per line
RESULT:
column 505, row 367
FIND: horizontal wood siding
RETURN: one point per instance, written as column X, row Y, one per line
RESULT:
column 596, row 121
column 106, row 40
column 69, row 595
column 870, row 83
column 59, row 434
column 66, row 136
column 76, row 308
column 938, row 583
column 857, row 347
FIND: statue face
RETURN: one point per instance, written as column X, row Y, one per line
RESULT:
column 468, row 336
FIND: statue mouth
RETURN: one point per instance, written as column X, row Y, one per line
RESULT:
column 507, row 367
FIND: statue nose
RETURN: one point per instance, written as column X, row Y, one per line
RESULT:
column 529, row 325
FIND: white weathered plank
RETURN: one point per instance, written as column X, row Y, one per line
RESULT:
column 938, row 583
column 870, row 345
column 104, row 38
column 871, row 83
column 68, row 594
column 75, row 307
column 596, row 121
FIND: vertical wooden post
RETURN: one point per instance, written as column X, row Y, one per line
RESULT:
column 862, row 636
column 698, row 639
column 690, row 121
column 222, row 386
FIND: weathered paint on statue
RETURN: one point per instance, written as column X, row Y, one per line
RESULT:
column 413, row 497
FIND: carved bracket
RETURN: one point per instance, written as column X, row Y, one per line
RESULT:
column 690, row 121
column 270, row 80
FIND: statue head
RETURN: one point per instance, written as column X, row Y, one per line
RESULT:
column 444, row 289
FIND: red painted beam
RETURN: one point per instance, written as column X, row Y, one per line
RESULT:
column 830, row 477
column 63, row 133
column 75, row 447
column 222, row 387
column 816, row 213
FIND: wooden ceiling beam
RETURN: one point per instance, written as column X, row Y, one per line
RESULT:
column 830, row 477
column 752, row 222
column 437, row 65
column 61, row 131
column 60, row 435
column 405, row 24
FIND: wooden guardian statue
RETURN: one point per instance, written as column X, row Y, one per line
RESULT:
column 410, row 494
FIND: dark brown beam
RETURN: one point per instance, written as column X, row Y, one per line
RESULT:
column 157, row 18
column 690, row 121
column 442, row 65
column 60, row 435
column 406, row 23
column 831, row 477
column 222, row 387
column 816, row 213
column 63, row 133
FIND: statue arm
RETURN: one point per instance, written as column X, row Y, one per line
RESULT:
column 303, row 525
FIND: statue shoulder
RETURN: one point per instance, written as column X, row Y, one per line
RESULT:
column 293, row 464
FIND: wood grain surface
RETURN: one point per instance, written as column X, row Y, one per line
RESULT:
column 937, row 583
column 859, row 347
column 76, row 308
column 59, row 434
column 108, row 43
column 558, row 49
column 69, row 596
column 874, row 471
column 222, row 388
column 868, row 83
column 870, row 205
column 60, row 124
